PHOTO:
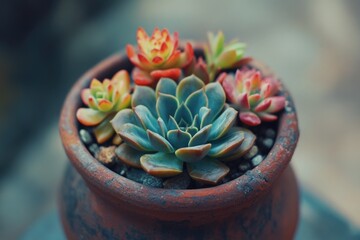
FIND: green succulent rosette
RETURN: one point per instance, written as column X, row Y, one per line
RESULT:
column 177, row 125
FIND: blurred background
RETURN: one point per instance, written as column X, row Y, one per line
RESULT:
column 45, row 45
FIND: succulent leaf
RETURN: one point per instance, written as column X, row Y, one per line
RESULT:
column 222, row 124
column 104, row 131
column 145, row 117
column 183, row 127
column 158, row 56
column 200, row 137
column 166, row 105
column 90, row 117
column 103, row 100
column 216, row 97
column 178, row 138
column 122, row 117
column 227, row 144
column 196, row 100
column 136, row 137
column 193, row 154
column 166, row 86
column 144, row 96
column 161, row 164
column 253, row 94
column 187, row 86
column 246, row 145
column 129, row 155
column 220, row 55
column 159, row 143
column 208, row 171
column 183, row 113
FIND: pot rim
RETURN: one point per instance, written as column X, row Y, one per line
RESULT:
column 111, row 185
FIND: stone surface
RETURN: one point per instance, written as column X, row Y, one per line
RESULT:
column 257, row 160
column 270, row 133
column 267, row 143
column 136, row 175
column 181, row 181
column 152, row 181
column 85, row 137
column 107, row 156
column 253, row 151
column 94, row 149
column 244, row 166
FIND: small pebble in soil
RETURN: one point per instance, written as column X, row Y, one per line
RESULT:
column 268, row 143
column 244, row 166
column 135, row 175
column 235, row 175
column 141, row 176
column 85, row 137
column 152, row 181
column 253, row 151
column 181, row 181
column 120, row 168
column 107, row 155
column 270, row 133
column 94, row 149
column 257, row 160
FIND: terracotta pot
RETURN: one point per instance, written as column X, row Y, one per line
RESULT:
column 96, row 203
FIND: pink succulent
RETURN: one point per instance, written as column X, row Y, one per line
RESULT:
column 253, row 94
column 158, row 56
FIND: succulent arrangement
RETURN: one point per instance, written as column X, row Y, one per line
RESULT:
column 186, row 114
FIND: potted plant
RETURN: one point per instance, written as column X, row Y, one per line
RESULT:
column 176, row 142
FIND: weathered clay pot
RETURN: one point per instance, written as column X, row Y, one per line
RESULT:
column 96, row 203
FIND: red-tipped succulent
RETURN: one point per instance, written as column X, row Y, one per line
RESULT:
column 104, row 100
column 253, row 95
column 158, row 56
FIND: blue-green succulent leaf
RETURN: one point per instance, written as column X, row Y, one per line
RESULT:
column 216, row 98
column 187, row 86
column 161, row 164
column 144, row 96
column 183, row 112
column 136, row 137
column 162, row 126
column 145, row 117
column 196, row 121
column 193, row 154
column 159, row 143
column 178, row 138
column 244, row 148
column 200, row 137
column 123, row 116
column 208, row 171
column 192, row 130
column 172, row 124
column 222, row 124
column 204, row 116
column 196, row 100
column 129, row 155
column 166, row 105
column 227, row 144
column 166, row 86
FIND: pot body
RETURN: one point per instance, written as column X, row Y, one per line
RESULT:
column 88, row 215
column 96, row 203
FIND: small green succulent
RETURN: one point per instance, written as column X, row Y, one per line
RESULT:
column 176, row 124
column 220, row 55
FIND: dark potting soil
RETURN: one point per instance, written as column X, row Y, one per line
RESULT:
column 265, row 138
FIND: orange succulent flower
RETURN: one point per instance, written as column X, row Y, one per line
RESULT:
column 158, row 56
